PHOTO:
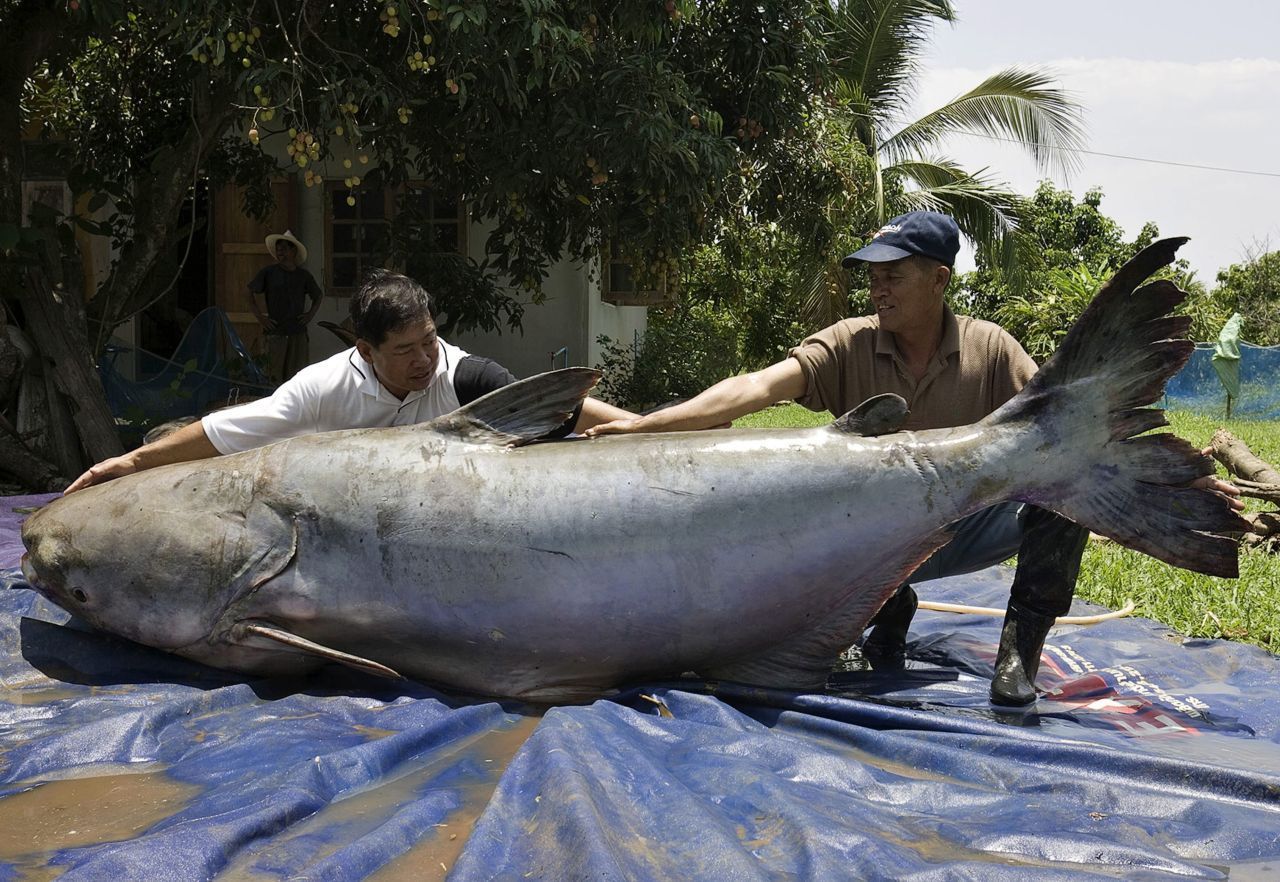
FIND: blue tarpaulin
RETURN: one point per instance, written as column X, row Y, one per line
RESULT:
column 1152, row 757
column 1199, row 387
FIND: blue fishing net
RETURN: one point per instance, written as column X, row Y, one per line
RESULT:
column 210, row 368
column 1197, row 387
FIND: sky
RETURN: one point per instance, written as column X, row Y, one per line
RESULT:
column 1173, row 81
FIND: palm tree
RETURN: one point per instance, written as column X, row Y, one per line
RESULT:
column 875, row 49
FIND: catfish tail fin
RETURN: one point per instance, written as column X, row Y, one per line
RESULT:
column 1135, row 488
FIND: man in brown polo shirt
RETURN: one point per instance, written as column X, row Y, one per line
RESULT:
column 952, row 370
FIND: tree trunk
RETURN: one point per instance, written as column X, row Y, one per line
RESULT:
column 11, row 363
column 28, row 470
column 1239, row 460
column 55, row 321
column 147, row 264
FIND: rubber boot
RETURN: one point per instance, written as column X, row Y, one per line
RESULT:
column 1018, row 658
column 887, row 642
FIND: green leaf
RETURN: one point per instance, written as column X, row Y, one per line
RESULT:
column 9, row 236
column 98, row 200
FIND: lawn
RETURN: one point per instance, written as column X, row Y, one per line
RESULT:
column 1245, row 609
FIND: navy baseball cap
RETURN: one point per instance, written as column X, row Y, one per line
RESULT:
column 928, row 233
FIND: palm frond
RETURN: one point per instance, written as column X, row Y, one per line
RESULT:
column 876, row 46
column 1016, row 104
column 987, row 212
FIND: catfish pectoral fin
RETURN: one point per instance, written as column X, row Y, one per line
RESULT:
column 293, row 641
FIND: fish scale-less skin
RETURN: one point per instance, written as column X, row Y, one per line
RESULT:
column 546, row 572
column 558, row 571
column 565, row 554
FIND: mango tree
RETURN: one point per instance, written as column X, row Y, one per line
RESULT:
column 568, row 123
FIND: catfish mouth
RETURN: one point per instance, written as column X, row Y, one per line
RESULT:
column 41, row 584
column 52, row 585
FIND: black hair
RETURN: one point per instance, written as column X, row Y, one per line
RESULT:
column 386, row 302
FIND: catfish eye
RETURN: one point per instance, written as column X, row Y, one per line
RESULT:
column 78, row 594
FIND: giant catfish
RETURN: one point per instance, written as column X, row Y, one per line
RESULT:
column 456, row 553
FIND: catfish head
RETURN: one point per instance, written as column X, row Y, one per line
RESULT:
column 159, row 556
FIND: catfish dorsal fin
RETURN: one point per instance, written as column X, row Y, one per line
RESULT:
column 302, row 644
column 522, row 412
column 878, row 415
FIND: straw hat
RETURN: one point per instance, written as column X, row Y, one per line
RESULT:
column 287, row 236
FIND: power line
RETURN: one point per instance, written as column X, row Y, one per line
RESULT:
column 1218, row 168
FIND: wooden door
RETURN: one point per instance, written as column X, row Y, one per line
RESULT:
column 239, row 250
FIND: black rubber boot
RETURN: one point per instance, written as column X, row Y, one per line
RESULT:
column 1018, row 658
column 887, row 642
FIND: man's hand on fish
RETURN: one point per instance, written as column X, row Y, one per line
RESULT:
column 615, row 427
column 188, row 443
column 116, row 467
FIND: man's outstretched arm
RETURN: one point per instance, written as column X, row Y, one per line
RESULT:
column 722, row 403
column 188, row 443
column 594, row 412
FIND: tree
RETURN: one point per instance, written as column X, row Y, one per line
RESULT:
column 566, row 123
column 876, row 48
column 1252, row 288
column 1079, row 248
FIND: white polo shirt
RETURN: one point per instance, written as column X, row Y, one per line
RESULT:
column 340, row 392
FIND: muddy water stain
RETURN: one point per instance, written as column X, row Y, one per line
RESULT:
column 434, row 856
column 360, row 813
column 373, row 733
column 87, row 810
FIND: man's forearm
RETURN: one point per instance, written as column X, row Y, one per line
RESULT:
column 722, row 403
column 729, row 399
column 594, row 412
column 259, row 307
column 188, row 443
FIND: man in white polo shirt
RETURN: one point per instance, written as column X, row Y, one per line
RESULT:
column 398, row 373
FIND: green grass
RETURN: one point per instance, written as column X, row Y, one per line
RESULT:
column 1245, row 609
column 783, row 416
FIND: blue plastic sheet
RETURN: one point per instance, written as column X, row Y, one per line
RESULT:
column 1152, row 757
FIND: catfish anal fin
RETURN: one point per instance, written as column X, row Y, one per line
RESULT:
column 293, row 641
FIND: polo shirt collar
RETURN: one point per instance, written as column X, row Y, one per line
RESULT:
column 369, row 385
column 950, row 343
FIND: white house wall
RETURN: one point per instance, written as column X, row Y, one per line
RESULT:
column 563, row 329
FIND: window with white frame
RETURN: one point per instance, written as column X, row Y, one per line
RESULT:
column 358, row 225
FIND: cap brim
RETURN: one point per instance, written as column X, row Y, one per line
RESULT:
column 876, row 252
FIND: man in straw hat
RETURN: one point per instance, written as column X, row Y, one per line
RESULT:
column 278, row 294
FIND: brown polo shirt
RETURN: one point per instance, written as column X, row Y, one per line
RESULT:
column 977, row 368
